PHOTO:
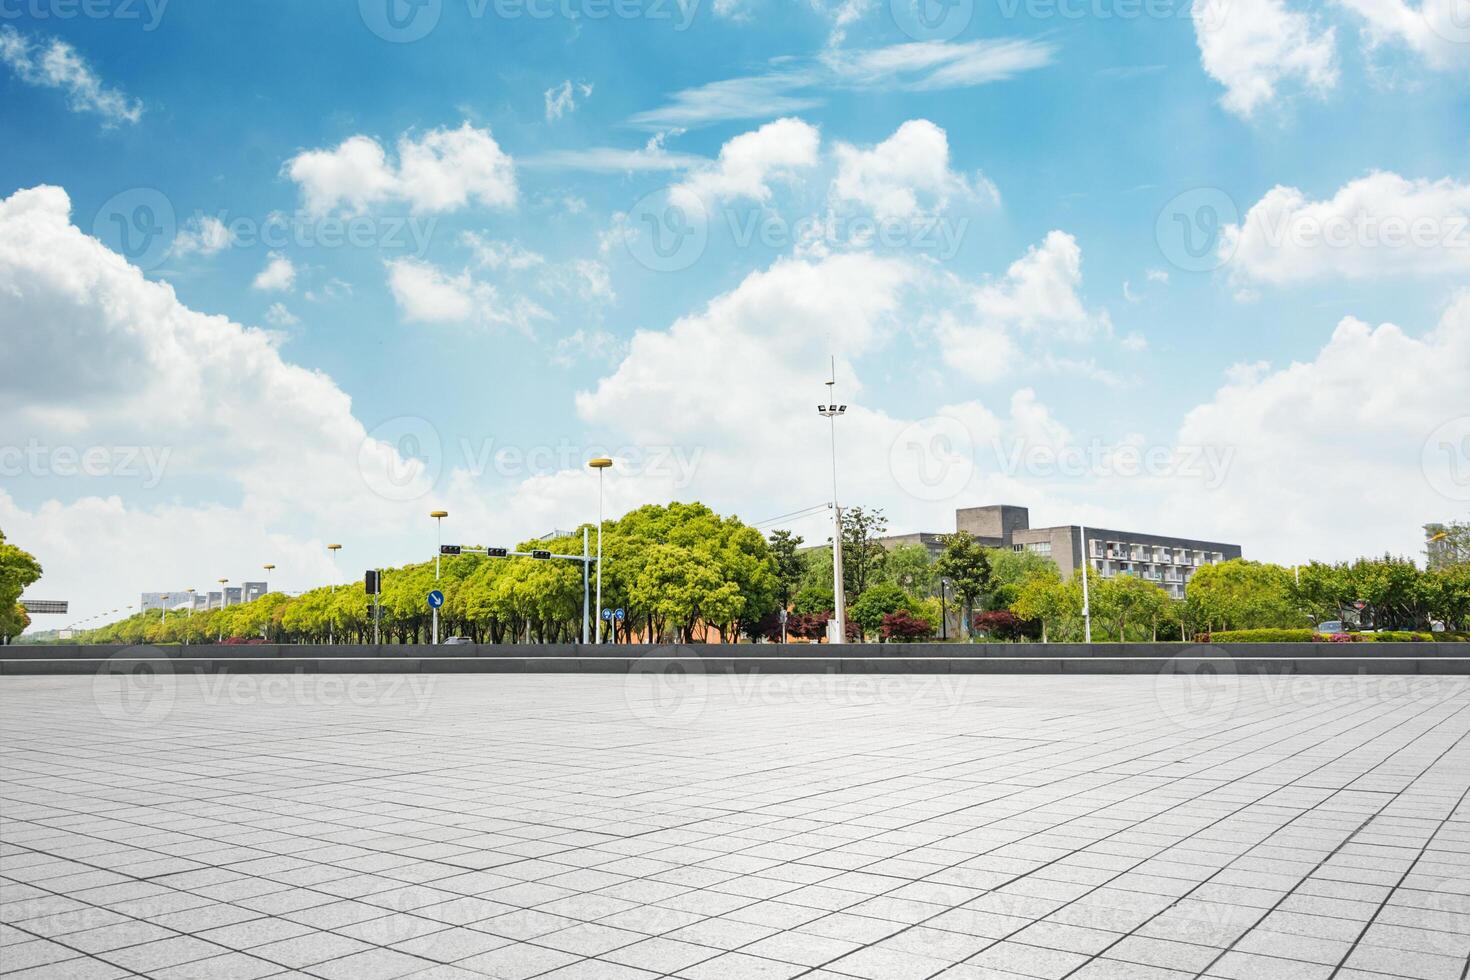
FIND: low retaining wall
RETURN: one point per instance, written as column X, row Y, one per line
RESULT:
column 856, row 658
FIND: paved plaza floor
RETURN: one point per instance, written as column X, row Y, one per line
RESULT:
column 604, row 828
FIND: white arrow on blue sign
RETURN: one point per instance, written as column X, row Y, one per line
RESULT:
column 436, row 599
column 618, row 615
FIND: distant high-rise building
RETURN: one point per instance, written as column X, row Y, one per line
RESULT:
column 254, row 590
column 232, row 595
column 164, row 600
column 214, row 601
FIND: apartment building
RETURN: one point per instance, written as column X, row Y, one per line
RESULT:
column 1168, row 560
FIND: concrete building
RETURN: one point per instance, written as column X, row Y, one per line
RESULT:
column 161, row 600
column 1168, row 560
column 253, row 590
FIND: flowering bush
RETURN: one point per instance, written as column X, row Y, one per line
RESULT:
column 902, row 626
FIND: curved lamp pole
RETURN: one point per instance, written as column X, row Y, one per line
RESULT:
column 438, row 516
column 333, row 548
column 831, row 412
column 599, row 464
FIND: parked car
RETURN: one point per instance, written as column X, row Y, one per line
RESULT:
column 1331, row 626
column 457, row 641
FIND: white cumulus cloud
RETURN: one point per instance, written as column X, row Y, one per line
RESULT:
column 444, row 170
column 1254, row 47
column 905, row 176
column 749, row 163
column 279, row 275
column 1379, row 225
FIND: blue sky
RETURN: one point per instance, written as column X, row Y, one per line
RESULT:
column 1053, row 144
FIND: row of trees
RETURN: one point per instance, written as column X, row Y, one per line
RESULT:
column 683, row 573
column 680, row 572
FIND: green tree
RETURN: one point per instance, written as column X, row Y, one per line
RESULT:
column 1447, row 592
column 863, row 555
column 967, row 567
column 1009, row 570
column 878, row 601
column 1057, row 605
column 1125, row 600
column 911, row 568
column 1241, row 594
column 18, row 569
column 788, row 563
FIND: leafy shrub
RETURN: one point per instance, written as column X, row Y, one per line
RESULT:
column 1260, row 636
column 903, row 626
column 1000, row 624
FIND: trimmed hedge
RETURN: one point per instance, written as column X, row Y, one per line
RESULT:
column 1259, row 636
column 1311, row 636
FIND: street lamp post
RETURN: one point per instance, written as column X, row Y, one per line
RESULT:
column 830, row 411
column 224, row 600
column 599, row 464
column 264, row 630
column 1086, row 604
column 190, row 614
column 943, row 609
column 331, row 615
column 438, row 516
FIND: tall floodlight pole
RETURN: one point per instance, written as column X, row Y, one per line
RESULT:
column 333, row 548
column 1086, row 604
column 586, row 587
column 599, row 464
column 438, row 516
column 830, row 412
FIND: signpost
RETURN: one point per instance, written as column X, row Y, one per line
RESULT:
column 436, row 599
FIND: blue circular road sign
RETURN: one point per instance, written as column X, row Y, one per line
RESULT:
column 436, row 599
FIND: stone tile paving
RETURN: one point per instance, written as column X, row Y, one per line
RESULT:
column 716, row 828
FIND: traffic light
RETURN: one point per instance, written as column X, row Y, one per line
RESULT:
column 538, row 553
column 496, row 552
column 449, row 549
column 373, row 581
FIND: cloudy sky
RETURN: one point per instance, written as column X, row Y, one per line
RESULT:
column 273, row 276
